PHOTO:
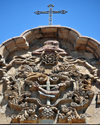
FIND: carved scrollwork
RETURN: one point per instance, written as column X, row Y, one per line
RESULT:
column 48, row 84
column 70, row 115
column 27, row 115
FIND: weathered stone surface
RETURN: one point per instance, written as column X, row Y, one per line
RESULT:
column 49, row 85
column 20, row 40
column 82, row 40
column 63, row 33
column 6, row 54
column 2, row 50
column 49, row 82
column 92, row 44
column 89, row 49
column 12, row 49
column 10, row 44
column 49, row 30
column 12, row 71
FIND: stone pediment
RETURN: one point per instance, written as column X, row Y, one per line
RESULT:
column 50, row 74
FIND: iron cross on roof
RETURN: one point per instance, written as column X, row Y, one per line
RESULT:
column 50, row 12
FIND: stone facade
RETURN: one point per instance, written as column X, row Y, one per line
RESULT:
column 50, row 74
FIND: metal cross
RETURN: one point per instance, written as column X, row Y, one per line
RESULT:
column 50, row 12
column 48, row 89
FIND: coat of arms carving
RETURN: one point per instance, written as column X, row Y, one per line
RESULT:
column 49, row 85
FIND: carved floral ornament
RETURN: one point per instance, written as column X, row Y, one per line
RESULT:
column 48, row 85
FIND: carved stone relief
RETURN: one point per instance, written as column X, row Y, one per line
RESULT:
column 48, row 84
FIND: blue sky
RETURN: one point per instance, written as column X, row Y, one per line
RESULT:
column 16, row 16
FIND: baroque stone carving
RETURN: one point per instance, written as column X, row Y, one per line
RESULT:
column 48, row 84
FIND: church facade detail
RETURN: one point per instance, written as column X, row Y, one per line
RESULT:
column 49, row 74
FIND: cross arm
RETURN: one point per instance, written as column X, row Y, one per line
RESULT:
column 61, row 11
column 41, row 12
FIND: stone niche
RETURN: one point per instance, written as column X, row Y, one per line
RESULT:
column 50, row 74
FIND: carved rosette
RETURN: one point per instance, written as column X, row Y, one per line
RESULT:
column 49, row 58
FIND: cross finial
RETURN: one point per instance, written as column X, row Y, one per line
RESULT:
column 50, row 12
column 50, row 5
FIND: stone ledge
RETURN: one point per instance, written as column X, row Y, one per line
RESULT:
column 48, row 124
column 13, row 44
column 55, row 30
column 89, row 44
